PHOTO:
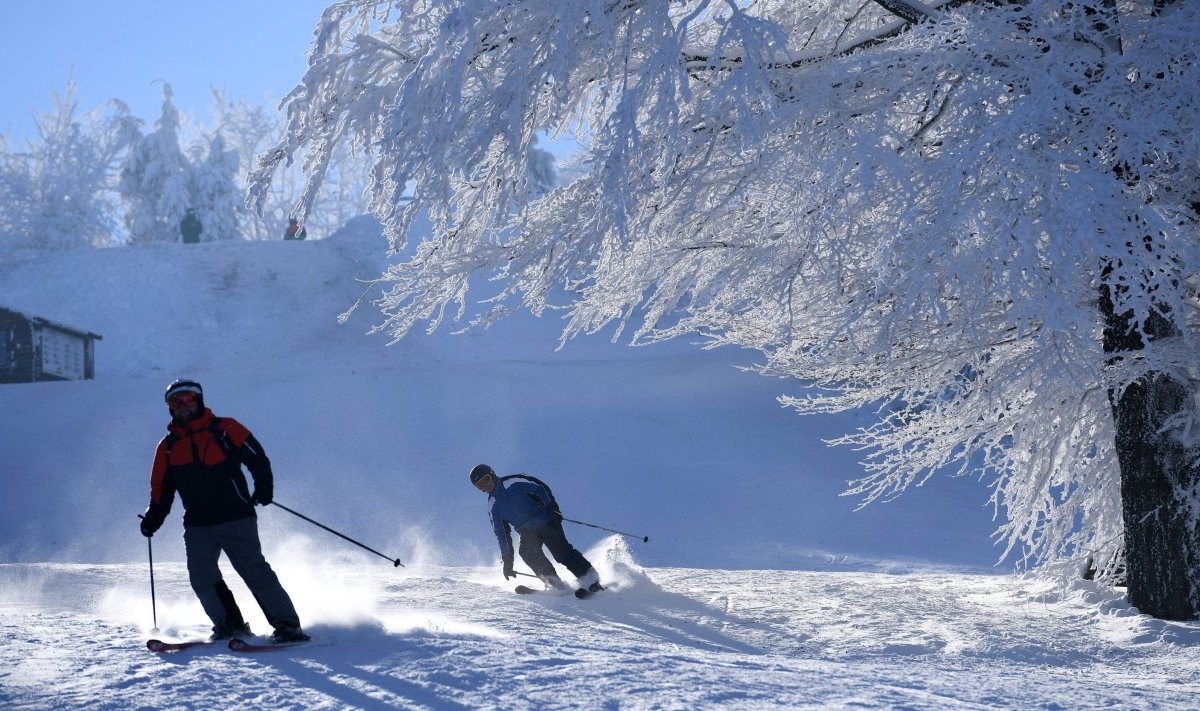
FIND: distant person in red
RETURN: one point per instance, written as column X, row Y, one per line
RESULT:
column 294, row 230
column 201, row 458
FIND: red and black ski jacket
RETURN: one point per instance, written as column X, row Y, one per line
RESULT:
column 202, row 461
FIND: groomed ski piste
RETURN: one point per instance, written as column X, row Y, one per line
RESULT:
column 454, row 637
column 760, row 586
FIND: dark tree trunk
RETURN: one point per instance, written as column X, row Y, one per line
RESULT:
column 1161, row 538
column 1160, row 478
column 1159, row 482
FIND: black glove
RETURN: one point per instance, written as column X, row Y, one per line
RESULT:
column 150, row 523
column 508, row 569
column 262, row 496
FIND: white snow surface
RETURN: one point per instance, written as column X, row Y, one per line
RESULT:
column 760, row 587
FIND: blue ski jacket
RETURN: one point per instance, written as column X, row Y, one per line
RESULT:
column 521, row 502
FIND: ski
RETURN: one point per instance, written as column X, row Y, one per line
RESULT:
column 241, row 645
column 581, row 593
column 526, row 590
column 157, row 645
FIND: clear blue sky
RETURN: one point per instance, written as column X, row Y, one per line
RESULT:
column 123, row 49
column 118, row 48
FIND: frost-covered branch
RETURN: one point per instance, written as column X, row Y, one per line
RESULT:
column 920, row 226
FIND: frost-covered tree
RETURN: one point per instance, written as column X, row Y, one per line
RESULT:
column 543, row 175
column 154, row 180
column 215, row 192
column 979, row 218
column 249, row 130
column 56, row 193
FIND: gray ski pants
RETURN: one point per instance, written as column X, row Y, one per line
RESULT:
column 550, row 535
column 239, row 541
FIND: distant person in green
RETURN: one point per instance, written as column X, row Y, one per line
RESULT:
column 190, row 227
column 294, row 230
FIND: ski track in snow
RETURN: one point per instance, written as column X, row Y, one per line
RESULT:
column 658, row 638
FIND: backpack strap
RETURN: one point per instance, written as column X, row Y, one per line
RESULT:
column 168, row 442
column 218, row 434
column 214, row 428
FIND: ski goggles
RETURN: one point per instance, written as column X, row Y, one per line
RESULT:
column 484, row 481
column 182, row 399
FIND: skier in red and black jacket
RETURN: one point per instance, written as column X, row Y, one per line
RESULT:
column 201, row 459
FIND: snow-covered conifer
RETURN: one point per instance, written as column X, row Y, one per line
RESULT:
column 154, row 180
column 543, row 177
column 214, row 191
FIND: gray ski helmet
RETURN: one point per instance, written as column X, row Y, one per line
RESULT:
column 480, row 471
column 183, row 385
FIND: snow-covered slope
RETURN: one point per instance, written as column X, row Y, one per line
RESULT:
column 893, row 606
column 666, row 441
column 667, row 638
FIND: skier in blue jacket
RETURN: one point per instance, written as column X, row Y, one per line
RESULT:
column 526, row 504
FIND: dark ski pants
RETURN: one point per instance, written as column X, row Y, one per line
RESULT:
column 550, row 535
column 239, row 541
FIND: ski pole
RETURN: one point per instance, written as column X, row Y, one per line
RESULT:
column 395, row 561
column 153, row 604
column 645, row 539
